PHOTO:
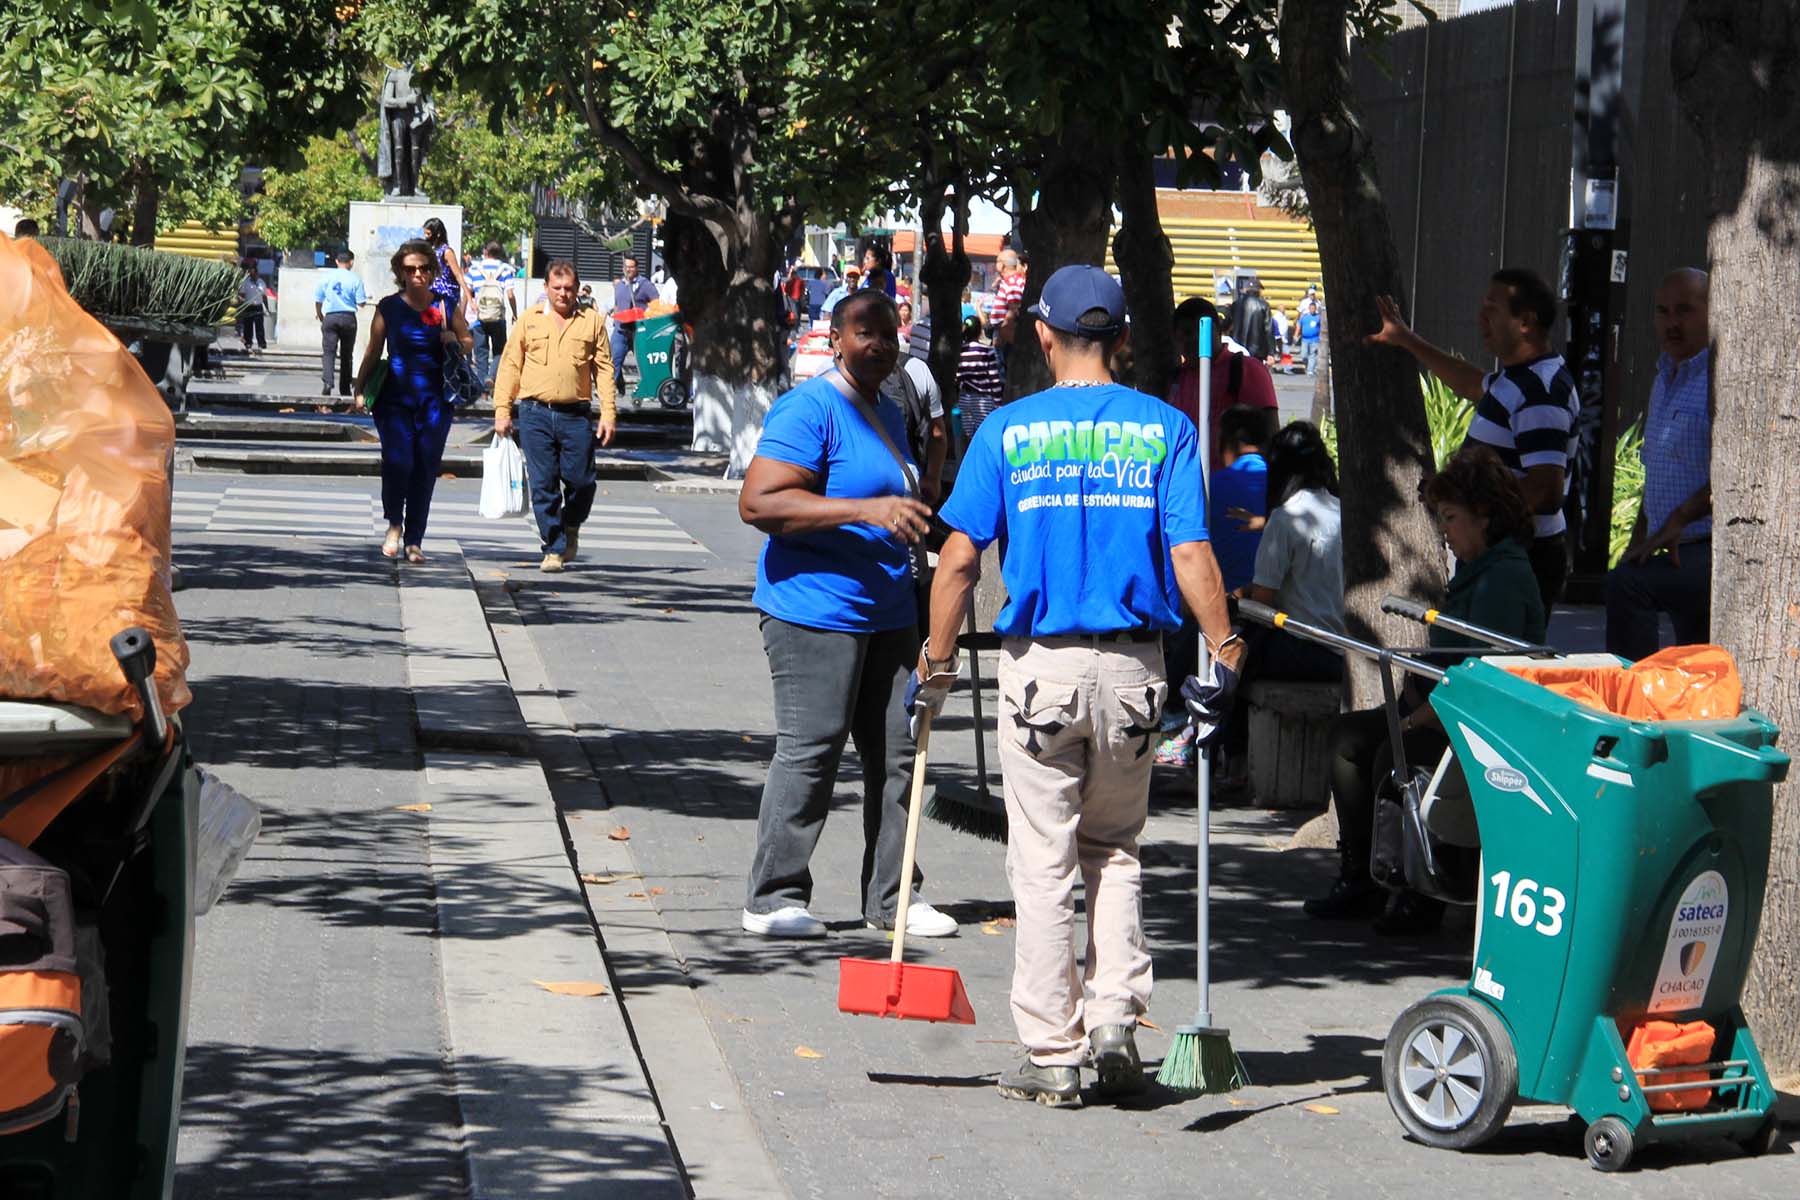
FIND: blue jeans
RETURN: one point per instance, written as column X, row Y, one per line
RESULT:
column 1638, row 593
column 621, row 345
column 412, row 449
column 559, row 463
column 490, row 343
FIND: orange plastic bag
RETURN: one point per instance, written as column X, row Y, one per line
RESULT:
column 85, row 446
column 1682, row 683
column 1666, row 1044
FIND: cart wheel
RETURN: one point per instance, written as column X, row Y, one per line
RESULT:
column 1608, row 1144
column 1765, row 1139
column 1450, row 1072
column 671, row 393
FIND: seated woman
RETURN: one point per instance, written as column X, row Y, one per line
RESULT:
column 1487, row 524
column 1299, row 562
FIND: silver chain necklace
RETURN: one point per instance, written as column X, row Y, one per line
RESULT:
column 1083, row 382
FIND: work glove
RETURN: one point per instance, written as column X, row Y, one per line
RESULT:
column 926, row 695
column 1209, row 701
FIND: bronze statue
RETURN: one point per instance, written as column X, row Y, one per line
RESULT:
column 408, row 120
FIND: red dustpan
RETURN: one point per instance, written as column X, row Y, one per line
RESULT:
column 891, row 988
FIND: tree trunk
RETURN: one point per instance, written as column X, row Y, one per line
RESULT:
column 945, row 273
column 1068, row 224
column 1146, row 269
column 1384, row 441
column 146, row 199
column 1733, row 66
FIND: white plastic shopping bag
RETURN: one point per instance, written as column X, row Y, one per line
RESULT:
column 502, row 480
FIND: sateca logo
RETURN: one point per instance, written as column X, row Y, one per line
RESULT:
column 1691, row 951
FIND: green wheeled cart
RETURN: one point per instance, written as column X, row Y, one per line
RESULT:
column 1623, row 864
column 660, row 344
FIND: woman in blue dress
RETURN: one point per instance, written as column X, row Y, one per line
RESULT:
column 412, row 414
column 451, row 282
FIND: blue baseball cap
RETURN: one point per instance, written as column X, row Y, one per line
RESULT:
column 1077, row 289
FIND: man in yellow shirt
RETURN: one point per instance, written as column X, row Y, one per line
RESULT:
column 556, row 358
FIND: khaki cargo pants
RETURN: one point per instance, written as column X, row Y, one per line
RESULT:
column 1077, row 729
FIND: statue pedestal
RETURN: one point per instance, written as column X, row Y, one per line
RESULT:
column 378, row 227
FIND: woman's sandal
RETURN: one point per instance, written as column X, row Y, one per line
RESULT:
column 390, row 545
column 414, row 554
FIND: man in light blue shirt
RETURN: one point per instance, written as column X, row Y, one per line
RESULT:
column 1668, row 567
column 335, row 300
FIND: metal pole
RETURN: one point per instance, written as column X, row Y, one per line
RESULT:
column 1203, row 773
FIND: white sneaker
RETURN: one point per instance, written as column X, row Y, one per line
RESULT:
column 790, row 922
column 922, row 920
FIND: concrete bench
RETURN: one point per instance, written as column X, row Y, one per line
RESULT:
column 1289, row 755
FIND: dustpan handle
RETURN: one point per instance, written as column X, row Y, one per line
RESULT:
column 915, row 806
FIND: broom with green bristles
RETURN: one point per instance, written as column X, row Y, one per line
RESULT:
column 1200, row 1060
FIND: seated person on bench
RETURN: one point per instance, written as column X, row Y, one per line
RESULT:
column 1485, row 520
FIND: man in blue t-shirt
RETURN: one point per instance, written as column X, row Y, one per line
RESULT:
column 1096, row 491
column 1310, row 326
column 339, row 294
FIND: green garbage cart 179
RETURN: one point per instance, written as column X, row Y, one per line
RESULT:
column 660, row 344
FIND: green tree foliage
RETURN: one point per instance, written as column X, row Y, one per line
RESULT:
column 308, row 206
column 137, row 95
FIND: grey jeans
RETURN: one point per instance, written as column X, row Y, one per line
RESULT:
column 830, row 685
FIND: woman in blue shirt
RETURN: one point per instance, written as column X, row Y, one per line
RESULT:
column 837, row 496
column 412, row 413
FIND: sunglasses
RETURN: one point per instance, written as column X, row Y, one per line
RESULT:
column 412, row 270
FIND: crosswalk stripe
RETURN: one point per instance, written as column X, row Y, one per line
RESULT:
column 641, row 547
column 354, row 504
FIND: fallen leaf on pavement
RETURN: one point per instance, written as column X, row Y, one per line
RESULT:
column 415, row 808
column 635, row 896
column 1236, row 1103
column 620, row 834
column 1324, row 1109
column 577, row 987
column 608, row 878
column 284, row 410
column 991, row 929
column 657, row 891
column 806, row 1052
column 934, row 1158
column 1147, row 1023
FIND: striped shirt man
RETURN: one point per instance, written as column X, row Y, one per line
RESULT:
column 1528, row 415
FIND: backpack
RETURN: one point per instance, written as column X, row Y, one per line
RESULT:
column 44, row 1044
column 490, row 301
column 913, row 406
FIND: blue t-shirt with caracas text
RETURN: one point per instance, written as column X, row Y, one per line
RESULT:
column 1089, row 486
column 1243, row 484
column 855, row 578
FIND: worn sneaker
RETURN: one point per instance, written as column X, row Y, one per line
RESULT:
column 571, row 537
column 922, row 920
column 552, row 563
column 1113, row 1054
column 790, row 922
column 1348, row 899
column 1056, row 1087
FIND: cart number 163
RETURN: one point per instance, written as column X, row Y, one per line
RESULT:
column 1520, row 900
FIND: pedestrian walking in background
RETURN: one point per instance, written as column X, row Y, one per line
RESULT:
column 492, row 280
column 979, row 385
column 878, row 258
column 834, row 488
column 632, row 292
column 450, row 282
column 1102, row 546
column 549, row 373
column 1526, row 412
column 838, row 294
column 1236, row 378
column 417, row 326
column 1670, row 569
column 252, row 293
column 1311, row 326
column 336, row 298
column 1252, row 325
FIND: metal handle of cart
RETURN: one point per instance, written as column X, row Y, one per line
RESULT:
column 1400, row 772
column 1424, row 614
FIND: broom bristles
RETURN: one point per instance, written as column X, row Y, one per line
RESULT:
column 978, row 814
column 1201, row 1062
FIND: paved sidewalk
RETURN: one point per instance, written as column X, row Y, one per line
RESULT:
column 369, row 1017
column 662, row 675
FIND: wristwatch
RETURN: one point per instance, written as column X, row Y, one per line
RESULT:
column 936, row 666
